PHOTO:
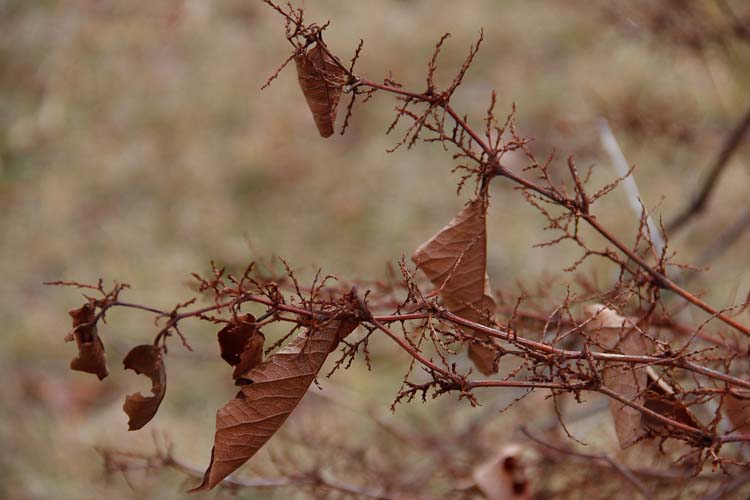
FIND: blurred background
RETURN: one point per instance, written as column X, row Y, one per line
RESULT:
column 136, row 145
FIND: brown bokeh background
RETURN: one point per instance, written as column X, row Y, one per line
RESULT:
column 136, row 145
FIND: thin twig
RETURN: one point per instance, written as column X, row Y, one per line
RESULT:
column 699, row 200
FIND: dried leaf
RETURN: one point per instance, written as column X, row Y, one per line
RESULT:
column 602, row 317
column 737, row 411
column 661, row 398
column 504, row 476
column 455, row 261
column 90, row 357
column 277, row 385
column 241, row 344
column 617, row 333
column 147, row 360
column 322, row 81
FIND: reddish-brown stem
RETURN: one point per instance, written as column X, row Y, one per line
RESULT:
column 470, row 384
column 536, row 385
column 530, row 384
column 412, row 352
column 154, row 310
column 651, row 413
column 622, row 358
column 393, row 90
column 492, row 332
column 658, row 321
column 735, row 438
column 661, row 280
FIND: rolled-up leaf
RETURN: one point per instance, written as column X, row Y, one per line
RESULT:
column 322, row 81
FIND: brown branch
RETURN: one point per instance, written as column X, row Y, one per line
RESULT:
column 540, row 365
column 660, row 321
column 442, row 100
column 659, row 279
column 467, row 385
column 662, row 281
column 380, row 321
column 623, row 358
column 722, row 242
column 700, row 199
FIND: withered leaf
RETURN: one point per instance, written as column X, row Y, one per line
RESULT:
column 737, row 411
column 147, row 360
column 90, row 357
column 661, row 398
column 247, row 422
column 455, row 261
column 322, row 81
column 504, row 476
column 241, row 344
column 618, row 334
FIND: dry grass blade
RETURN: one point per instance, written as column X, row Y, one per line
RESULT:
column 321, row 80
column 617, row 333
column 147, row 360
column 455, row 260
column 276, row 387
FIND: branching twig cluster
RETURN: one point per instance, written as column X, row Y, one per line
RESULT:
column 685, row 383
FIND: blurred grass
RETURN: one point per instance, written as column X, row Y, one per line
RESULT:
column 135, row 145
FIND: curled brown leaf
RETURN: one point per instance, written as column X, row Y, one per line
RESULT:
column 91, row 358
column 147, row 360
column 455, row 261
column 277, row 386
column 241, row 344
column 322, row 81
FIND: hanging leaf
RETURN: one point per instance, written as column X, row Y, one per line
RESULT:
column 504, row 476
column 617, row 334
column 322, row 81
column 275, row 388
column 660, row 397
column 90, row 357
column 147, row 360
column 455, row 261
column 737, row 411
column 241, row 344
